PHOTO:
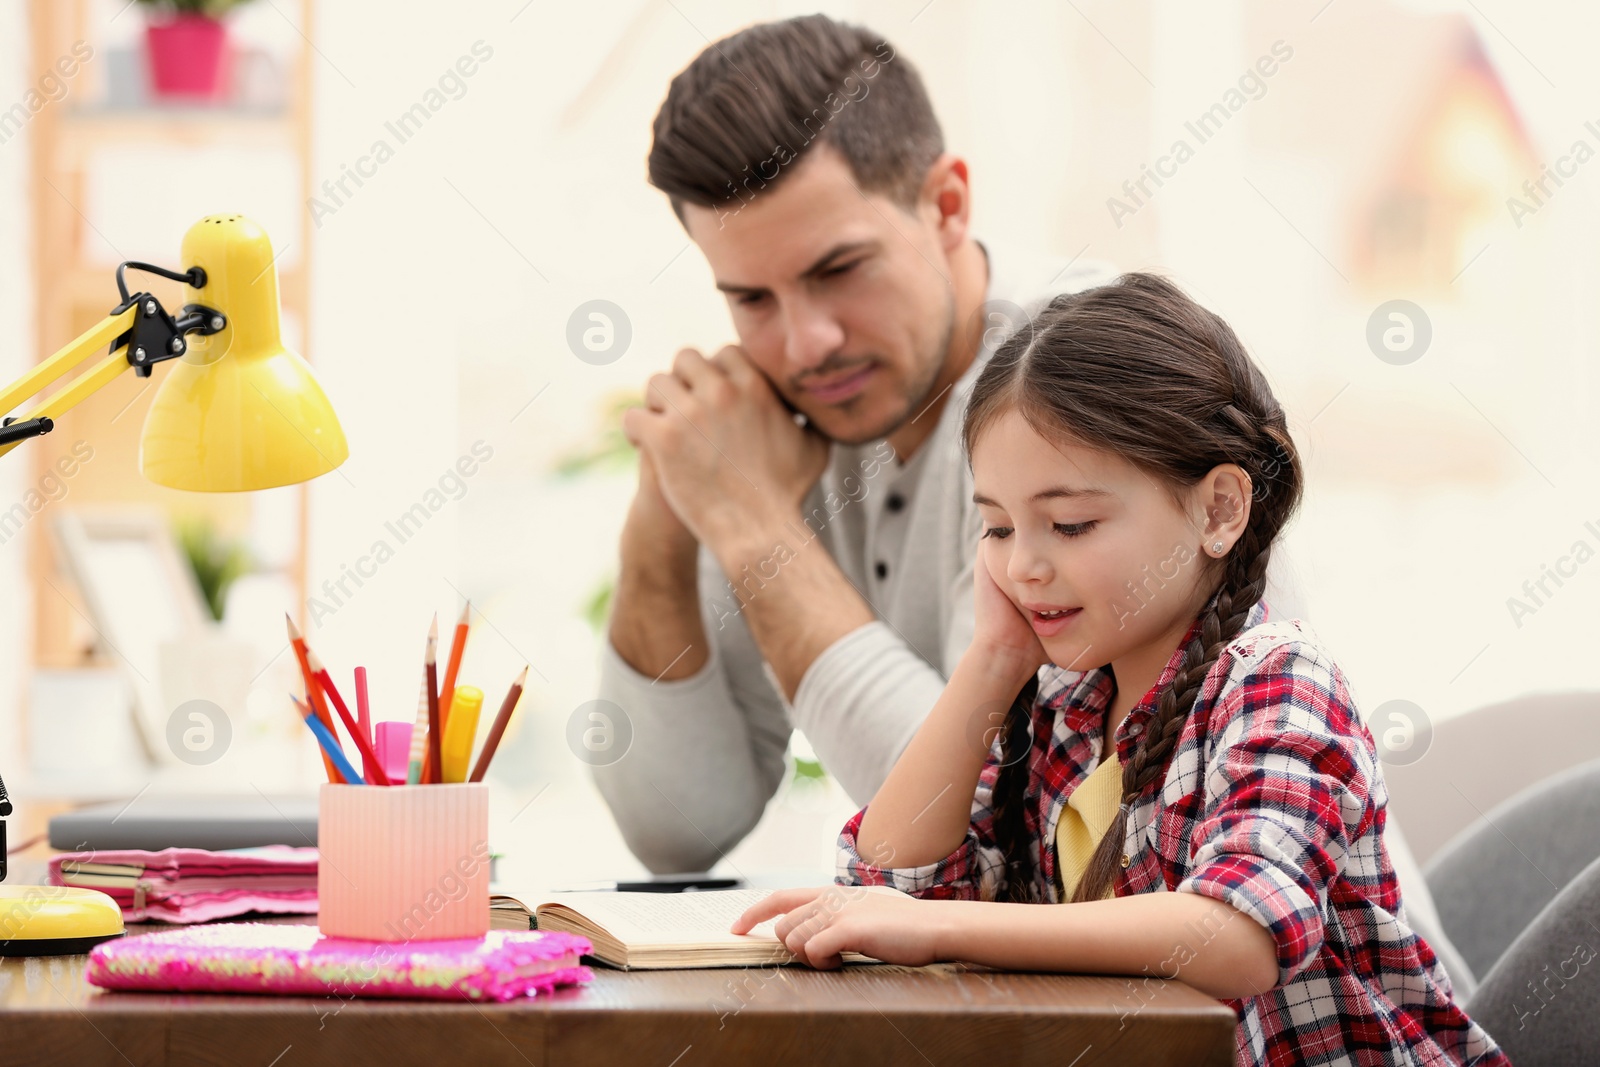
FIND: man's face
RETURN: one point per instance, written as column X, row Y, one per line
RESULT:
column 841, row 298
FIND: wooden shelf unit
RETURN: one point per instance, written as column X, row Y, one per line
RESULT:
column 74, row 291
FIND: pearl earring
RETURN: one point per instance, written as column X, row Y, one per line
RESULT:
column 1216, row 548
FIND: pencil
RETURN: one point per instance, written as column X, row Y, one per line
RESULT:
column 329, row 744
column 495, row 732
column 369, row 758
column 419, row 740
column 430, row 667
column 363, row 706
column 300, row 652
column 458, row 645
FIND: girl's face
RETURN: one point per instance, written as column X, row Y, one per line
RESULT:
column 1094, row 552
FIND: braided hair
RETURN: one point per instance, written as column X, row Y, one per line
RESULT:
column 1139, row 370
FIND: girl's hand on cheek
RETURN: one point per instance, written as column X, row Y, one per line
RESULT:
column 1001, row 630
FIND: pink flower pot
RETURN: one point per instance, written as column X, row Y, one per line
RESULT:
column 188, row 57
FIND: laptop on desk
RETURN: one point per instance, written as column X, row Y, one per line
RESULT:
column 206, row 821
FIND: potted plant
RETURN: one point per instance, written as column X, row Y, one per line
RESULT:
column 206, row 672
column 186, row 47
column 217, row 561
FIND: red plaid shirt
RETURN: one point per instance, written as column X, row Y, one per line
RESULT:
column 1273, row 802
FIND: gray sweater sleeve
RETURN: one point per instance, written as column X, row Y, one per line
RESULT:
column 707, row 752
column 704, row 753
column 861, row 701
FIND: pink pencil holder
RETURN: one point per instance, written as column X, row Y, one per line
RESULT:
column 404, row 862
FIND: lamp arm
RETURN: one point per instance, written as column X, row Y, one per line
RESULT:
column 140, row 334
column 70, row 355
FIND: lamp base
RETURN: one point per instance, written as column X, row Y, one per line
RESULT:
column 55, row 920
column 53, row 946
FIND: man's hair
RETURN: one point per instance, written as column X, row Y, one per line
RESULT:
column 750, row 106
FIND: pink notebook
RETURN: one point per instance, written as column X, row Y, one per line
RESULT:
column 288, row 958
column 191, row 885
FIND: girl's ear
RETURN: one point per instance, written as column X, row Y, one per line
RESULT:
column 1224, row 494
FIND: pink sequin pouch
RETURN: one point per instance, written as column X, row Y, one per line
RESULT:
column 294, row 959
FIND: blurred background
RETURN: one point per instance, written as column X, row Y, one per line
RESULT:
column 1400, row 219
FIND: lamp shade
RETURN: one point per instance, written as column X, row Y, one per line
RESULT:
column 238, row 411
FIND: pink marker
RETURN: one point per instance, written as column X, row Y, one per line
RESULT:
column 393, row 746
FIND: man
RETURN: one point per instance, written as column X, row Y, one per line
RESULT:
column 775, row 574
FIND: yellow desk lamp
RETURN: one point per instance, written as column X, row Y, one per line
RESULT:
column 238, row 411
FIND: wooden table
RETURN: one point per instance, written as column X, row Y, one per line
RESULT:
column 866, row 1015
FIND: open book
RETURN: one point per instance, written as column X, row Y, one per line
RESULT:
column 646, row 931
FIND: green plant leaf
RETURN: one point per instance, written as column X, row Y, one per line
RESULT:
column 808, row 770
column 217, row 562
column 598, row 607
column 609, row 450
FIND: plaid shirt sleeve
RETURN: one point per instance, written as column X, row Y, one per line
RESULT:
column 974, row 871
column 1286, row 791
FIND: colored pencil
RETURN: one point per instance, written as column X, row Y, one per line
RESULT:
column 364, row 709
column 329, row 744
column 498, row 730
column 301, row 650
column 419, row 739
column 430, row 667
column 458, row 645
column 369, row 758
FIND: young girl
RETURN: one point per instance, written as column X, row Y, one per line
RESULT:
column 1128, row 737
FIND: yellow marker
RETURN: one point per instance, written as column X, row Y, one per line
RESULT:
column 459, row 733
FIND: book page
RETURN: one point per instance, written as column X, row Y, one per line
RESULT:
column 637, row 918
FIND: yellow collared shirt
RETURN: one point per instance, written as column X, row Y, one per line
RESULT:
column 1085, row 817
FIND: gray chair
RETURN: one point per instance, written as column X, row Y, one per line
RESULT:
column 1417, row 900
column 1494, row 878
column 1477, row 760
column 1539, row 1002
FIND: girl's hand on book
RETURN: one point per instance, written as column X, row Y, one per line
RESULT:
column 819, row 924
column 1002, row 633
